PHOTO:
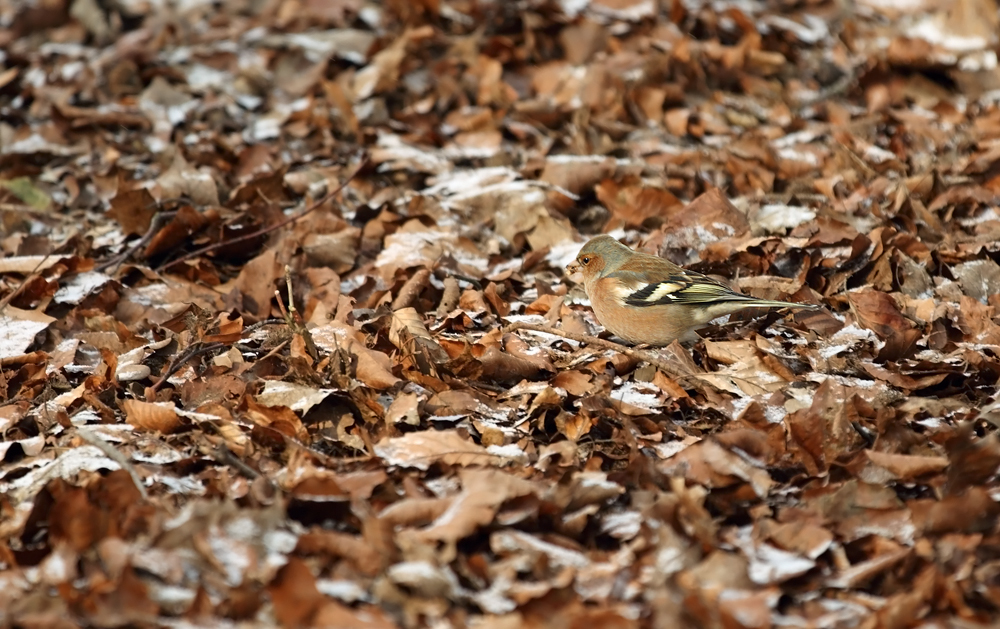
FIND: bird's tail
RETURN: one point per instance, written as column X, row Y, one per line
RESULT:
column 753, row 302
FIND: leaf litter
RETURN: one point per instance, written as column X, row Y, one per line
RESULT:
column 286, row 336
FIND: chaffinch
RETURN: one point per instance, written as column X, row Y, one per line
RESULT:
column 645, row 299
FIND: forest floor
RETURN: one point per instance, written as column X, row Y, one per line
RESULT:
column 262, row 265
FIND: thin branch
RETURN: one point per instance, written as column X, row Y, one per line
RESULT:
column 256, row 326
column 274, row 351
column 183, row 357
column 34, row 273
column 224, row 456
column 267, row 230
column 159, row 219
column 95, row 440
column 639, row 354
column 294, row 322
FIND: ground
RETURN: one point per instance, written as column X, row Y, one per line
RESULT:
column 276, row 275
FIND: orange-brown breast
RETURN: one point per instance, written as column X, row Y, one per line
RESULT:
column 655, row 325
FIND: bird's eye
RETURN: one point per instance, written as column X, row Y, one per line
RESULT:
column 585, row 260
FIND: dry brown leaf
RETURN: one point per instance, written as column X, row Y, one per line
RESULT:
column 294, row 594
column 408, row 332
column 483, row 491
column 156, row 416
column 404, row 409
column 373, row 368
column 18, row 328
column 709, row 218
column 133, row 209
column 183, row 180
column 886, row 467
column 633, row 204
column 425, row 448
column 878, row 312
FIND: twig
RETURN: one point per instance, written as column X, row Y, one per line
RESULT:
column 34, row 273
column 267, row 230
column 294, row 322
column 328, row 461
column 256, row 326
column 857, row 161
column 159, row 219
column 274, row 351
column 95, row 440
column 224, row 456
column 182, row 358
column 638, row 354
column 281, row 305
column 836, row 88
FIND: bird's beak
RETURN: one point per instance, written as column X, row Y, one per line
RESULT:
column 574, row 272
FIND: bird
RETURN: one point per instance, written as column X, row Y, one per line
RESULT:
column 646, row 300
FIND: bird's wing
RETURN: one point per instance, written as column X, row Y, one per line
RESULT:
column 674, row 287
